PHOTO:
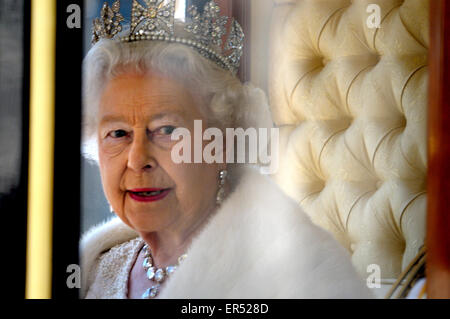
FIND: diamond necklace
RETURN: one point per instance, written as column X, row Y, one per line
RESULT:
column 154, row 274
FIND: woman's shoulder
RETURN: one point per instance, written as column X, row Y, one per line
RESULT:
column 265, row 230
column 259, row 193
column 102, row 245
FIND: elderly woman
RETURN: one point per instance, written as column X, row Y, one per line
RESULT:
column 190, row 230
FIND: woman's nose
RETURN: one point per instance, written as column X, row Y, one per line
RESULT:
column 140, row 157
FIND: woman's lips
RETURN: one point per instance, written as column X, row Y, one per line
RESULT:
column 148, row 194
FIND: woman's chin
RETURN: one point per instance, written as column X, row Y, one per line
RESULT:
column 146, row 220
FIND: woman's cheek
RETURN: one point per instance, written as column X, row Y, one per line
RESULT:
column 111, row 177
column 195, row 187
column 164, row 142
column 113, row 148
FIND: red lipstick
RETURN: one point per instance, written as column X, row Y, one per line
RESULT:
column 148, row 194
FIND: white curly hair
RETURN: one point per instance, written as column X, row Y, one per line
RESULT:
column 230, row 103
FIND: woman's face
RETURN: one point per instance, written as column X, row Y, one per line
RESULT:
column 146, row 189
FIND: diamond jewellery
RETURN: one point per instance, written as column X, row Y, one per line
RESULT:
column 217, row 38
column 221, row 192
column 154, row 274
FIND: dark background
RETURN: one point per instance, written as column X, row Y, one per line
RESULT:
column 66, row 211
column 14, row 103
column 15, row 22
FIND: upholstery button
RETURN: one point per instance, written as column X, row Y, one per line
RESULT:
column 379, row 184
column 375, row 58
column 404, row 121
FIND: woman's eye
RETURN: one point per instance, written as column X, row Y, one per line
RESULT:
column 166, row 130
column 118, row 134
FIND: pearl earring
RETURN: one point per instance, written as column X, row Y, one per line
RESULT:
column 221, row 192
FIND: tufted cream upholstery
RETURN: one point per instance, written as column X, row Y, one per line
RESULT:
column 351, row 104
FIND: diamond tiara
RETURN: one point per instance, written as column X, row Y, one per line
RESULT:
column 217, row 38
